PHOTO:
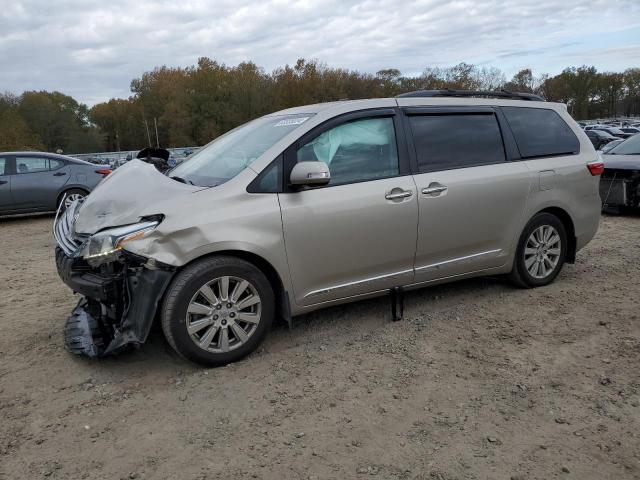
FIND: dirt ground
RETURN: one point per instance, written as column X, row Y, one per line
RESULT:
column 480, row 380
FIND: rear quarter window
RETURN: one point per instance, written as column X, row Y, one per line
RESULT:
column 55, row 164
column 541, row 132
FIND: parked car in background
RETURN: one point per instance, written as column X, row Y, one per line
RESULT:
column 631, row 130
column 599, row 138
column 610, row 145
column 325, row 204
column 38, row 182
column 615, row 132
column 620, row 184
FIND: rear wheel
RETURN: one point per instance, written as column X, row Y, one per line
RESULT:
column 541, row 252
column 218, row 310
column 71, row 196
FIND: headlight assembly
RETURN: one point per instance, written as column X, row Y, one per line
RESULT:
column 104, row 245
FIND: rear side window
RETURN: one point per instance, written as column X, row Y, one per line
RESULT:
column 445, row 142
column 3, row 166
column 32, row 164
column 541, row 132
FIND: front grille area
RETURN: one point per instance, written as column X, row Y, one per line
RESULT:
column 64, row 233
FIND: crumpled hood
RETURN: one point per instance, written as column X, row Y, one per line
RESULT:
column 621, row 162
column 134, row 190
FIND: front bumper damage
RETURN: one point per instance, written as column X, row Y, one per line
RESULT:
column 119, row 301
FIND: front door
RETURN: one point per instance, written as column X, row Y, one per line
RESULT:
column 470, row 197
column 356, row 235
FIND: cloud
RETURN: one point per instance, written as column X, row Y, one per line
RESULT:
column 92, row 49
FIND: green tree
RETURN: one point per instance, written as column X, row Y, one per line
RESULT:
column 15, row 134
column 59, row 121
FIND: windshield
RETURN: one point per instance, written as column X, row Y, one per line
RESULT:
column 228, row 155
column 631, row 146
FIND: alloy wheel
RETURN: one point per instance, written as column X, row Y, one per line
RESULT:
column 223, row 314
column 542, row 251
column 69, row 199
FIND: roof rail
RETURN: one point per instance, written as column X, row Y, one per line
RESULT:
column 449, row 92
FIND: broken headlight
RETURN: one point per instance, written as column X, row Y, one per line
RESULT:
column 103, row 246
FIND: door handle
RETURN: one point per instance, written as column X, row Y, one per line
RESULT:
column 398, row 195
column 59, row 174
column 434, row 189
column 2, row 182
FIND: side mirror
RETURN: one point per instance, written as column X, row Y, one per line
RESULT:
column 310, row 173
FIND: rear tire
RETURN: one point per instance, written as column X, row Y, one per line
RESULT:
column 541, row 252
column 217, row 310
column 71, row 196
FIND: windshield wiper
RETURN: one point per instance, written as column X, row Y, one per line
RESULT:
column 182, row 180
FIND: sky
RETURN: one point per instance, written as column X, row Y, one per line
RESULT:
column 92, row 49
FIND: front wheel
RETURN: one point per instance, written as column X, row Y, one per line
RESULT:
column 541, row 252
column 218, row 310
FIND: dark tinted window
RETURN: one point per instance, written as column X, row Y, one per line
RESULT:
column 455, row 141
column 355, row 151
column 541, row 132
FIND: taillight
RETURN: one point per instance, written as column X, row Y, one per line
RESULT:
column 595, row 168
column 103, row 171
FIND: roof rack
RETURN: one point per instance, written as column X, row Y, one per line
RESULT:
column 449, row 92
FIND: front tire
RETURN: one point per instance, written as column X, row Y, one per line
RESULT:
column 217, row 310
column 541, row 252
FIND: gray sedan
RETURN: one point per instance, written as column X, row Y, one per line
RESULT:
column 38, row 182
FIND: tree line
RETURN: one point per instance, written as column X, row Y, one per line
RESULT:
column 192, row 105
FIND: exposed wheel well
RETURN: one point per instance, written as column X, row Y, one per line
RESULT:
column 566, row 220
column 282, row 301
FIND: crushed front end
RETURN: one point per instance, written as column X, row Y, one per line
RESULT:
column 120, row 290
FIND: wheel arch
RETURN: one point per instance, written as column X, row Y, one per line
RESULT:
column 67, row 188
column 568, row 224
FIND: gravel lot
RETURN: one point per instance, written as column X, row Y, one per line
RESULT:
column 480, row 380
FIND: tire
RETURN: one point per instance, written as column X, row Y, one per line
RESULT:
column 186, row 306
column 522, row 274
column 73, row 193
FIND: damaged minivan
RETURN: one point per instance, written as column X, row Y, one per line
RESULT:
column 321, row 205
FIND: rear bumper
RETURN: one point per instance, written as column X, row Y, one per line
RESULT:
column 119, row 302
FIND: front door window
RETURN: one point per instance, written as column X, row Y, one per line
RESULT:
column 355, row 151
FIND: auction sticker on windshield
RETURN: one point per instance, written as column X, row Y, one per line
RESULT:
column 291, row 121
